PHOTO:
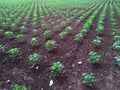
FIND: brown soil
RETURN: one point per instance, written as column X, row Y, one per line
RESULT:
column 69, row 53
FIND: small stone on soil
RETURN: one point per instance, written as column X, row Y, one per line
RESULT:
column 8, row 81
column 73, row 65
column 79, row 63
column 51, row 83
column 41, row 88
column 37, row 67
column 69, row 86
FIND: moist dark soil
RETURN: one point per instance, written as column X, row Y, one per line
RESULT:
column 67, row 51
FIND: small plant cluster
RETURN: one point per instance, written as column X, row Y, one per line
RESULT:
column 2, row 48
column 23, row 29
column 112, row 16
column 1, row 32
column 100, row 27
column 63, row 35
column 20, row 87
column 97, row 41
column 9, row 34
column 84, row 15
column 50, row 44
column 116, row 46
column 34, row 32
column 66, row 32
column 89, row 79
column 33, row 58
column 13, row 52
column 115, row 33
column 79, row 37
column 20, row 37
column 56, row 28
column 34, row 41
column 56, row 68
column 44, row 25
column 117, row 59
column 47, row 33
column 94, row 57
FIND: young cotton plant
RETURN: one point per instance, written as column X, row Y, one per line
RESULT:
column 13, row 26
column 13, row 52
column 97, row 41
column 20, row 87
column 63, row 35
column 34, row 41
column 68, row 29
column 1, row 32
column 2, row 48
column 84, row 32
column 34, row 58
column 47, row 33
column 56, row 28
column 34, row 32
column 116, row 45
column 100, row 29
column 9, row 34
column 116, row 37
column 56, row 68
column 44, row 25
column 23, row 29
column 20, row 37
column 50, row 44
column 117, row 60
column 89, row 79
column 78, row 37
column 94, row 57
column 64, row 23
column 5, row 24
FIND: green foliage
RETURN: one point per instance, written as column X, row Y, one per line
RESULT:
column 94, row 57
column 116, row 38
column 116, row 45
column 44, row 25
column 1, row 32
column 47, row 33
column 34, row 31
column 20, row 87
column 84, row 32
column 117, row 60
column 20, row 37
column 23, row 29
column 34, row 58
column 63, row 35
column 56, row 68
column 9, row 34
column 50, row 44
column 34, row 41
column 5, row 24
column 87, row 25
column 56, row 28
column 100, row 29
column 97, row 41
column 68, row 29
column 63, row 23
column 78, row 37
column 89, row 79
column 13, row 26
column 2, row 48
column 13, row 52
column 35, row 23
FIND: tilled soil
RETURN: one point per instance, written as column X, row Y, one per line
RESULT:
column 69, row 53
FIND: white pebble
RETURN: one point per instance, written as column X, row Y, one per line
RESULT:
column 51, row 83
column 80, row 63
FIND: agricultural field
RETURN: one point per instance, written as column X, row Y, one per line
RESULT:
column 59, row 44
